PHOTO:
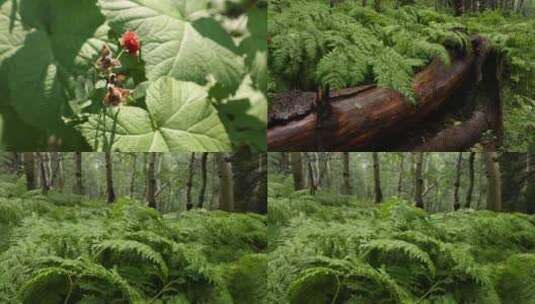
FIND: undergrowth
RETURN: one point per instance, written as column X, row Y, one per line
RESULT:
column 63, row 248
column 335, row 249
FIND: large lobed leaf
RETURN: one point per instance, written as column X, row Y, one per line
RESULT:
column 178, row 40
column 179, row 117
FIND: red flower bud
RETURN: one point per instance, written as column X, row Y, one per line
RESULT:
column 130, row 41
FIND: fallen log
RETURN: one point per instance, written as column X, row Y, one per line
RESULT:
column 360, row 118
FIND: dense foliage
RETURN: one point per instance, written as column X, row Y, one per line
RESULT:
column 63, row 248
column 333, row 248
column 196, row 85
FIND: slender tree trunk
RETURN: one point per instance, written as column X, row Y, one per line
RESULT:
column 400, row 179
column 78, row 183
column 377, row 5
column 494, row 195
column 29, row 170
column 348, row 189
column 471, row 178
column 377, row 178
column 457, row 184
column 43, row 159
column 311, row 175
column 189, row 185
column 15, row 163
column 133, row 176
column 226, row 187
column 297, row 169
column 204, row 159
column 419, row 181
column 109, row 178
column 151, row 178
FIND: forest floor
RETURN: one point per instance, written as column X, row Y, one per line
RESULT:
column 65, row 248
column 331, row 248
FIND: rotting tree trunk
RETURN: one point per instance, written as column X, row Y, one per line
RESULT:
column 151, row 180
column 361, row 118
column 189, row 184
column 457, row 184
column 377, row 178
column 494, row 193
column 204, row 159
column 419, row 181
column 29, row 170
column 348, row 189
column 296, row 160
column 109, row 178
column 78, row 184
column 471, row 178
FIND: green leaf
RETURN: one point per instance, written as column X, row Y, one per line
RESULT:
column 179, row 118
column 244, row 115
column 43, row 44
column 177, row 40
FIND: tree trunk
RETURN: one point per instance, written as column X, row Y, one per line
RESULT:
column 29, row 170
column 471, row 178
column 78, row 184
column 297, row 170
column 204, row 159
column 419, row 181
column 377, row 178
column 109, row 178
column 43, row 159
column 133, row 176
column 401, row 170
column 151, row 179
column 494, row 196
column 348, row 189
column 458, row 7
column 364, row 3
column 226, row 187
column 377, row 5
column 312, row 178
column 189, row 185
column 457, row 184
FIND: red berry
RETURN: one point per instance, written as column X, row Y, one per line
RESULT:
column 130, row 41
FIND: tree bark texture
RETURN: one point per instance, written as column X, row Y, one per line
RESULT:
column 377, row 178
column 348, row 188
column 204, row 159
column 151, row 179
column 109, row 178
column 29, row 170
column 457, row 183
column 78, row 182
column 296, row 159
column 189, row 184
column 226, row 187
column 419, row 181
column 494, row 196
